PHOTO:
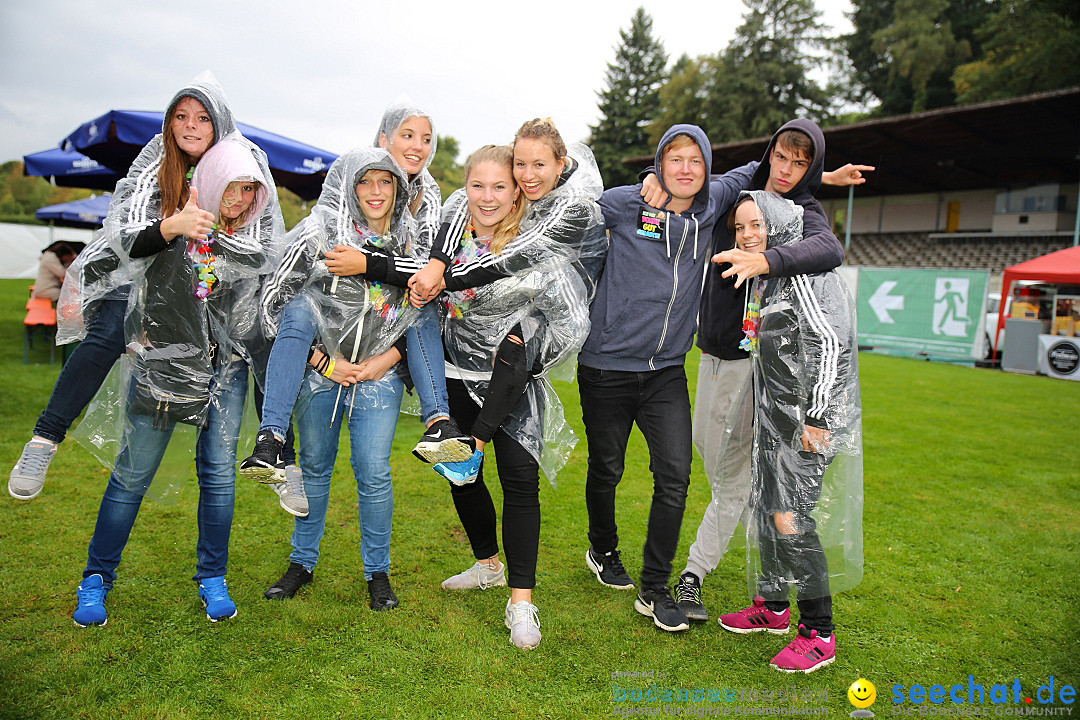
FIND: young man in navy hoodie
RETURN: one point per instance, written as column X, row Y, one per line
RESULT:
column 631, row 366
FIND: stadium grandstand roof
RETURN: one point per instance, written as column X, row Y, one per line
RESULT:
column 1023, row 141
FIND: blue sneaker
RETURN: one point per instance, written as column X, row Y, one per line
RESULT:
column 214, row 594
column 462, row 472
column 91, row 607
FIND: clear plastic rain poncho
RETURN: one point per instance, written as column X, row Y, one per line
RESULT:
column 195, row 300
column 193, row 306
column 425, row 197
column 357, row 319
column 555, row 259
column 805, row 508
column 105, row 264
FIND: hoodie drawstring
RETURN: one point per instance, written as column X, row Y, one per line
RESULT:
column 694, row 216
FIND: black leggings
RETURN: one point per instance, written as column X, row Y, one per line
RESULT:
column 519, row 474
column 509, row 378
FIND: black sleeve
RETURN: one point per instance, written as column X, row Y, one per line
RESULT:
column 148, row 242
column 819, row 250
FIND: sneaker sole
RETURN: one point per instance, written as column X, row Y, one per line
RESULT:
column 596, row 571
column 289, row 510
column 260, row 474
column 807, row 671
column 100, row 624
column 501, row 582
column 694, row 614
column 746, row 631
column 452, row 450
column 13, row 494
column 647, row 612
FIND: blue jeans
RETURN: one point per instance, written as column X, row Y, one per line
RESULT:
column 427, row 365
column 86, row 369
column 285, row 369
column 372, row 422
column 215, row 461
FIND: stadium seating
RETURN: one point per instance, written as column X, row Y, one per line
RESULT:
column 976, row 250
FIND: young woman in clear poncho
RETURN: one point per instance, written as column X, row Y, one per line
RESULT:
column 351, row 376
column 190, row 320
column 806, row 489
column 94, row 299
column 502, row 335
column 407, row 133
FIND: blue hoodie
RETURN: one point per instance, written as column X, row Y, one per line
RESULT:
column 645, row 312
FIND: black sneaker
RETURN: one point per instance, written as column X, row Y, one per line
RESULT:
column 609, row 569
column 382, row 595
column 265, row 463
column 658, row 604
column 444, row 442
column 294, row 578
column 688, row 597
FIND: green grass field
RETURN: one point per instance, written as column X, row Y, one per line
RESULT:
column 972, row 551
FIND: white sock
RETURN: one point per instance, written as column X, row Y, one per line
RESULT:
column 38, row 438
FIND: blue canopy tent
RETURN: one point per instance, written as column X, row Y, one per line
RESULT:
column 86, row 213
column 115, row 139
column 68, row 168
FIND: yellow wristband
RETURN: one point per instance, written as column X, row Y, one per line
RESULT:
column 330, row 368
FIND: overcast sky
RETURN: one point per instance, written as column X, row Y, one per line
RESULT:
column 324, row 76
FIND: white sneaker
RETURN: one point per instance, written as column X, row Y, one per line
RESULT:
column 479, row 576
column 28, row 476
column 291, row 492
column 524, row 624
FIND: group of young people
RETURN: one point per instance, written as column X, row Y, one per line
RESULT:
column 194, row 282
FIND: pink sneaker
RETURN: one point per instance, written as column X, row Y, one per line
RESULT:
column 806, row 653
column 757, row 619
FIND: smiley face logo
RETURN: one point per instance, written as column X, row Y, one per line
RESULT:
column 862, row 693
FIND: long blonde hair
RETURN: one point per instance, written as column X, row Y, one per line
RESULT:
column 240, row 220
column 507, row 228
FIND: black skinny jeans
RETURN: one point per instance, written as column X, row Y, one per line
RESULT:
column 659, row 402
column 519, row 474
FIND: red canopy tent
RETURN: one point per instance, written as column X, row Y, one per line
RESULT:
column 1062, row 266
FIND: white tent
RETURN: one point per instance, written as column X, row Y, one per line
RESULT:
column 21, row 246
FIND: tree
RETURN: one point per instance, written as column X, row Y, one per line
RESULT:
column 874, row 74
column 444, row 166
column 1028, row 47
column 698, row 92
column 627, row 105
column 919, row 44
column 769, row 62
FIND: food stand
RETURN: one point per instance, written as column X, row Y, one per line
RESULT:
column 1046, row 316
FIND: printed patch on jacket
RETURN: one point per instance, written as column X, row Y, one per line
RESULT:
column 652, row 223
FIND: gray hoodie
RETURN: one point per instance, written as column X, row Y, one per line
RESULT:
column 644, row 314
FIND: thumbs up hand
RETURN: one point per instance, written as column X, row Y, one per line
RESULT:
column 191, row 221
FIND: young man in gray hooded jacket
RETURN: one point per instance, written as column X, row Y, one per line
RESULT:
column 631, row 367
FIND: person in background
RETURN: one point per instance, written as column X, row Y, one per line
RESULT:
column 55, row 260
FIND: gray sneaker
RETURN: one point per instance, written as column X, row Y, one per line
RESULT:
column 28, row 475
column 479, row 576
column 291, row 492
column 524, row 624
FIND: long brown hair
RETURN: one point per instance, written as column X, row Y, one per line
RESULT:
column 507, row 228
column 172, row 175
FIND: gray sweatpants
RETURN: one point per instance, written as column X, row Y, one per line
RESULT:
column 723, row 409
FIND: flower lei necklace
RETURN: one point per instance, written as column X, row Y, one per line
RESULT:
column 752, row 320
column 202, row 257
